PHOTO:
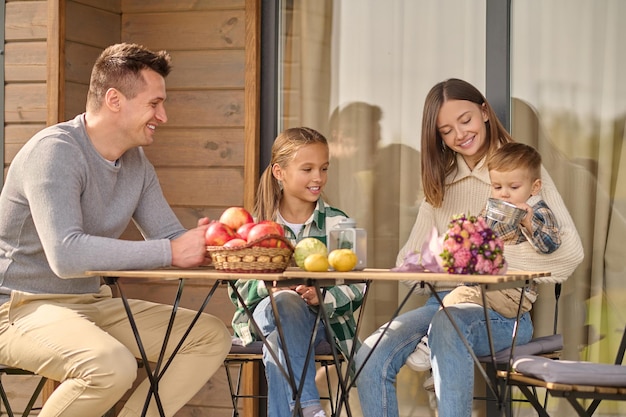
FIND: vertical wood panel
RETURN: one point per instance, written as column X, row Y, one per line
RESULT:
column 55, row 76
column 252, row 98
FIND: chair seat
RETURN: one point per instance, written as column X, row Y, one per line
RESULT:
column 256, row 348
column 253, row 353
column 537, row 346
column 571, row 372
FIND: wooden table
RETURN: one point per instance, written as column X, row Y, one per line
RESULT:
column 320, row 280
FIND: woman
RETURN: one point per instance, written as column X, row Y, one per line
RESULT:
column 459, row 130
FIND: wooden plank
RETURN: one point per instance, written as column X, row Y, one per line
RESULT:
column 55, row 56
column 26, row 21
column 79, row 60
column 206, row 69
column 189, row 216
column 195, row 30
column 91, row 26
column 162, row 291
column 114, row 6
column 215, row 392
column 252, row 97
column 196, row 147
column 75, row 99
column 143, row 6
column 25, row 103
column 202, row 187
column 205, row 108
column 16, row 136
column 25, row 61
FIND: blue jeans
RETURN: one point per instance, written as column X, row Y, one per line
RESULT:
column 453, row 368
column 297, row 321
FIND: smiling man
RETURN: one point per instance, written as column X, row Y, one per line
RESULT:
column 69, row 195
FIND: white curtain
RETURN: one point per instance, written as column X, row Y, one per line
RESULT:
column 569, row 90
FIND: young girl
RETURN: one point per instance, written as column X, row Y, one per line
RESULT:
column 290, row 193
column 460, row 131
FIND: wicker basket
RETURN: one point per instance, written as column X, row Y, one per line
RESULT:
column 252, row 257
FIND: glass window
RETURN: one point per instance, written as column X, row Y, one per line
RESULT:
column 569, row 100
column 358, row 71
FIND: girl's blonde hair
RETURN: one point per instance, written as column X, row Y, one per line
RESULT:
column 437, row 159
column 286, row 144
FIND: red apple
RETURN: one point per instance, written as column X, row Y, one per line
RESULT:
column 244, row 229
column 234, row 243
column 266, row 228
column 218, row 233
column 277, row 227
column 234, row 217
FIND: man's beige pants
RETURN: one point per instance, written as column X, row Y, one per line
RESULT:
column 85, row 342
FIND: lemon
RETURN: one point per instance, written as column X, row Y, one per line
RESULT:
column 316, row 262
column 342, row 260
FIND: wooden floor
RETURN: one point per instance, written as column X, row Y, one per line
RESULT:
column 18, row 388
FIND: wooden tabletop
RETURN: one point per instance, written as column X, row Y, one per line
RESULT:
column 297, row 273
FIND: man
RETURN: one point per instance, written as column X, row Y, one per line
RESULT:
column 69, row 194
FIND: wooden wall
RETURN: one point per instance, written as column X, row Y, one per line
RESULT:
column 199, row 154
column 206, row 156
column 26, row 31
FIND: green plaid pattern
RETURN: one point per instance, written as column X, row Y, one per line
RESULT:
column 340, row 301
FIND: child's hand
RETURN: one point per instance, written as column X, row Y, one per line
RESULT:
column 308, row 294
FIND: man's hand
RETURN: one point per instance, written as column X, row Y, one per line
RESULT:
column 189, row 250
column 308, row 294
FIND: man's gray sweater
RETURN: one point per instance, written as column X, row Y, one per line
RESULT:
column 63, row 208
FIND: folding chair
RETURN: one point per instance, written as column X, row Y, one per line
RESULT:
column 30, row 406
column 546, row 346
column 575, row 381
column 7, row 370
column 253, row 353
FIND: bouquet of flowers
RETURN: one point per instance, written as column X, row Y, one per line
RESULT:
column 469, row 247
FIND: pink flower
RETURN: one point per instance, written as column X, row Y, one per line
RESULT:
column 471, row 247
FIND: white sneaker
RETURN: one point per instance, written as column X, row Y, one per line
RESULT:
column 320, row 413
column 419, row 360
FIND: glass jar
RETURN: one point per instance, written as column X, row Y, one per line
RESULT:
column 345, row 235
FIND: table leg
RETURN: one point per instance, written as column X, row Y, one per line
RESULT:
column 500, row 396
column 321, row 315
column 154, row 376
column 153, row 379
column 297, row 390
column 288, row 373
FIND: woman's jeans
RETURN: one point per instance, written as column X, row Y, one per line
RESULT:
column 453, row 368
column 297, row 321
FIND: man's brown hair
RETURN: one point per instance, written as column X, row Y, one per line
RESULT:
column 119, row 66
